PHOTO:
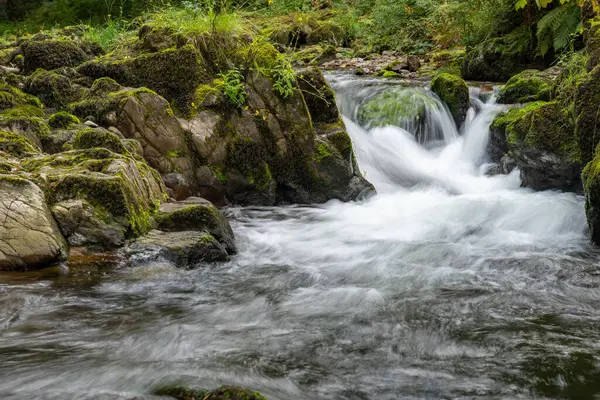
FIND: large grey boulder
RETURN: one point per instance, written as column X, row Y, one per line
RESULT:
column 29, row 237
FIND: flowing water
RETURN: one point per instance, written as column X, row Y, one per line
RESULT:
column 447, row 284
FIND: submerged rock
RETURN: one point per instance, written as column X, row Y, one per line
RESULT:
column 29, row 237
column 222, row 393
column 453, row 91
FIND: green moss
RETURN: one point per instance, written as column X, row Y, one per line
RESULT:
column 25, row 119
column 90, row 138
column 527, row 86
column 52, row 54
column 192, row 217
column 10, row 97
column 15, row 145
column 218, row 173
column 104, row 86
column 323, row 151
column 173, row 73
column 222, row 393
column 453, row 91
column 390, row 74
column 394, row 106
column 99, row 106
column 544, row 126
column 52, row 88
column 13, row 180
column 248, row 156
column 63, row 120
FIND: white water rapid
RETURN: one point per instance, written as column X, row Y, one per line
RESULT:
column 447, row 284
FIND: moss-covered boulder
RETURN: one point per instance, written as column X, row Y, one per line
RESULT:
column 529, row 85
column 196, row 214
column 145, row 116
column 591, row 185
column 123, row 190
column 497, row 59
column 327, row 32
column 27, row 121
column 174, row 73
column 52, row 54
column 185, row 249
column 222, row 393
column 53, row 88
column 588, row 117
column 453, row 91
column 540, row 138
column 29, row 237
column 95, row 138
column 62, row 120
column 11, row 96
column 279, row 150
column 15, row 145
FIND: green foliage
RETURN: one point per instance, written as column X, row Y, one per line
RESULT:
column 557, row 27
column 110, row 34
column 284, row 77
column 233, row 87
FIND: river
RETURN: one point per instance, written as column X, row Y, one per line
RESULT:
column 447, row 284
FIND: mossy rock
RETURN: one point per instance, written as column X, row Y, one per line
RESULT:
column 395, row 107
column 15, row 145
column 93, row 138
column 126, row 191
column 222, row 393
column 54, row 89
column 315, row 54
column 326, row 32
column 173, row 73
column 11, row 96
column 541, row 139
column 497, row 59
column 63, row 120
column 453, row 91
column 25, row 120
column 196, row 214
column 591, row 187
column 52, row 54
column 104, row 86
column 318, row 96
column 587, row 103
column 527, row 86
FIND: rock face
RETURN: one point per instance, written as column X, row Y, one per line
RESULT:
column 540, row 139
column 453, row 91
column 529, row 85
column 29, row 237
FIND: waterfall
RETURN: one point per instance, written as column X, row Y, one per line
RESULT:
column 399, row 156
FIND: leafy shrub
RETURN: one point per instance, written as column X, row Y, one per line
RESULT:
column 233, row 87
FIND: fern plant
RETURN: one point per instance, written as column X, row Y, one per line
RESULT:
column 557, row 27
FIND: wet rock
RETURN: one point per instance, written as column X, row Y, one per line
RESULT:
column 179, row 185
column 123, row 190
column 453, row 91
column 185, row 249
column 540, row 139
column 529, row 85
column 507, row 164
column 196, row 214
column 84, row 225
column 29, row 237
